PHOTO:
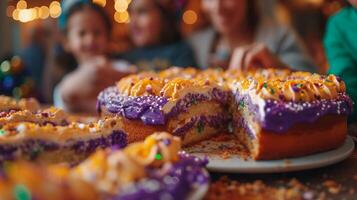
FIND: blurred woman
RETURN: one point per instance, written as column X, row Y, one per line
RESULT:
column 155, row 35
column 241, row 38
column 341, row 46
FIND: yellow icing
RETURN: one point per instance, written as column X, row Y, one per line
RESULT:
column 268, row 83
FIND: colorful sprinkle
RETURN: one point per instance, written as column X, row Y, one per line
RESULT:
column 158, row 156
column 272, row 91
column 200, row 127
column 21, row 192
column 299, row 85
column 241, row 104
column 167, row 142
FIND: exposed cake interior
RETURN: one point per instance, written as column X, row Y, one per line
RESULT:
column 193, row 109
column 53, row 144
column 278, row 105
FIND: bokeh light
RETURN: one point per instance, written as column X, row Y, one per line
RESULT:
column 121, row 5
column 15, row 14
column 100, row 2
column 5, row 66
column 21, row 4
column 55, row 9
column 43, row 12
column 189, row 17
column 26, row 15
column 122, row 17
column 16, row 64
column 8, row 82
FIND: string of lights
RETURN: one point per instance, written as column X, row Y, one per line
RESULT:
column 22, row 13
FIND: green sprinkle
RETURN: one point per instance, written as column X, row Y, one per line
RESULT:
column 265, row 85
column 200, row 127
column 272, row 91
column 21, row 192
column 299, row 85
column 241, row 104
column 158, row 156
column 2, row 132
column 35, row 151
column 194, row 102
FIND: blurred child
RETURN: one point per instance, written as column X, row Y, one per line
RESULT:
column 87, row 29
column 154, row 31
column 341, row 47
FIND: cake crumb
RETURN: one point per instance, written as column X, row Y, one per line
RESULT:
column 332, row 186
column 225, row 188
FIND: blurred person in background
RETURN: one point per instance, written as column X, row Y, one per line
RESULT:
column 86, row 28
column 341, row 46
column 34, row 57
column 241, row 38
column 155, row 35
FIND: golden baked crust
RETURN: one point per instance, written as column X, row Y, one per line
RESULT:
column 302, row 139
column 48, row 116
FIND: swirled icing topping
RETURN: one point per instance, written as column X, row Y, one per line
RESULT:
column 171, row 89
column 299, row 86
column 109, row 171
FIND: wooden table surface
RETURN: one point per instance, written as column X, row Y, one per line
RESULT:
column 342, row 176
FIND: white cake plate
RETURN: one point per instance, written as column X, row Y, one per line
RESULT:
column 235, row 164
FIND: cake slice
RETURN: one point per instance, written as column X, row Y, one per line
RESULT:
column 53, row 144
column 152, row 169
column 290, row 115
column 192, row 108
column 42, row 117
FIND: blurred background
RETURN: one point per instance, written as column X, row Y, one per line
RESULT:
column 31, row 26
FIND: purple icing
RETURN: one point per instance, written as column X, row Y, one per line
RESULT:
column 175, row 184
column 149, row 108
column 33, row 147
column 118, row 139
column 280, row 115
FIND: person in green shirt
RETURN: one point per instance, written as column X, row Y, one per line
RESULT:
column 341, row 49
